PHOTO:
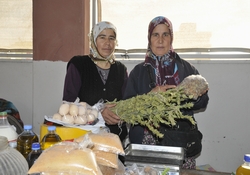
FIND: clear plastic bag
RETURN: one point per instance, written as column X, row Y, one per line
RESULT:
column 132, row 170
column 113, row 171
column 79, row 115
column 104, row 141
column 107, row 159
column 194, row 85
column 66, row 158
column 135, row 170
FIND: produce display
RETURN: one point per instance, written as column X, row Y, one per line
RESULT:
column 106, row 147
column 66, row 158
column 86, row 155
column 154, row 108
column 76, row 113
column 97, row 153
column 90, row 154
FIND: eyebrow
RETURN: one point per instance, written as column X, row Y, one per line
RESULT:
column 106, row 35
column 101, row 35
column 157, row 33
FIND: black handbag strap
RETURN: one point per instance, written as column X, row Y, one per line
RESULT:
column 152, row 84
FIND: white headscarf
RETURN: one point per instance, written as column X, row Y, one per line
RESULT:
column 96, row 30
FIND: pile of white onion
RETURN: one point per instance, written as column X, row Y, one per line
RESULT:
column 76, row 113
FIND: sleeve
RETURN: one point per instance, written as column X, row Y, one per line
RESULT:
column 72, row 84
column 201, row 102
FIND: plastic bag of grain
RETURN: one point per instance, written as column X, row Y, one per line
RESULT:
column 106, row 159
column 66, row 158
column 113, row 171
column 103, row 141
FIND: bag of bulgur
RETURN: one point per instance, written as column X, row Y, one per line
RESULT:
column 107, row 142
column 106, row 159
column 66, row 158
column 113, row 171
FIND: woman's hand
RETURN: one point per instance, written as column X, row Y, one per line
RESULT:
column 110, row 117
column 163, row 88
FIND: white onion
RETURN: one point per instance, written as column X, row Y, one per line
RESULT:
column 89, row 110
column 68, row 119
column 81, row 110
column 94, row 112
column 64, row 109
column 91, row 118
column 84, row 104
column 73, row 110
column 57, row 116
column 82, row 120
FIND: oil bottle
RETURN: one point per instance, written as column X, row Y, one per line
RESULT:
column 50, row 138
column 25, row 140
column 244, row 169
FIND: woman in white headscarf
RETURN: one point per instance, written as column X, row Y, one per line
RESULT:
column 98, row 75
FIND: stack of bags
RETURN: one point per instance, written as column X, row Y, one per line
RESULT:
column 106, row 147
column 91, row 154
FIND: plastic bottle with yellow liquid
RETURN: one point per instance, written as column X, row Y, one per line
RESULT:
column 50, row 138
column 244, row 169
column 25, row 140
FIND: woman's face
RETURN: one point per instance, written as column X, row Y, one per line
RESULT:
column 105, row 42
column 160, row 40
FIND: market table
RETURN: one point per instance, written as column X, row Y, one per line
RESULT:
column 201, row 172
column 161, row 157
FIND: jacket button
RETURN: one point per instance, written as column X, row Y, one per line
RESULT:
column 104, row 89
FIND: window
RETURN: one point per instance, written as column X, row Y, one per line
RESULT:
column 15, row 28
column 223, row 24
column 199, row 26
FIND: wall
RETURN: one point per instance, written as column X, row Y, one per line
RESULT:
column 35, row 88
column 60, row 29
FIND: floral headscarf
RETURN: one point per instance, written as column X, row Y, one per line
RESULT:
column 155, row 22
column 165, row 68
column 96, row 30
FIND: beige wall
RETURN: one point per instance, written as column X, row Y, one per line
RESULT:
column 60, row 29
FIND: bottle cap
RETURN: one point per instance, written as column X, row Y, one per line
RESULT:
column 36, row 146
column 27, row 127
column 3, row 113
column 247, row 157
column 51, row 128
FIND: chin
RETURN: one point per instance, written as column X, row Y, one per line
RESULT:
column 159, row 55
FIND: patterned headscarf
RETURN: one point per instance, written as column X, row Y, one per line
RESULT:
column 96, row 30
column 165, row 68
column 155, row 22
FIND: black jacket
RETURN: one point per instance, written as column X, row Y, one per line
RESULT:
column 138, row 84
column 92, row 88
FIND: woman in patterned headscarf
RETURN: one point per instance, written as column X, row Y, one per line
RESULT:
column 98, row 75
column 164, row 69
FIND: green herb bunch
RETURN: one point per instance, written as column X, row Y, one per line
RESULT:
column 154, row 108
